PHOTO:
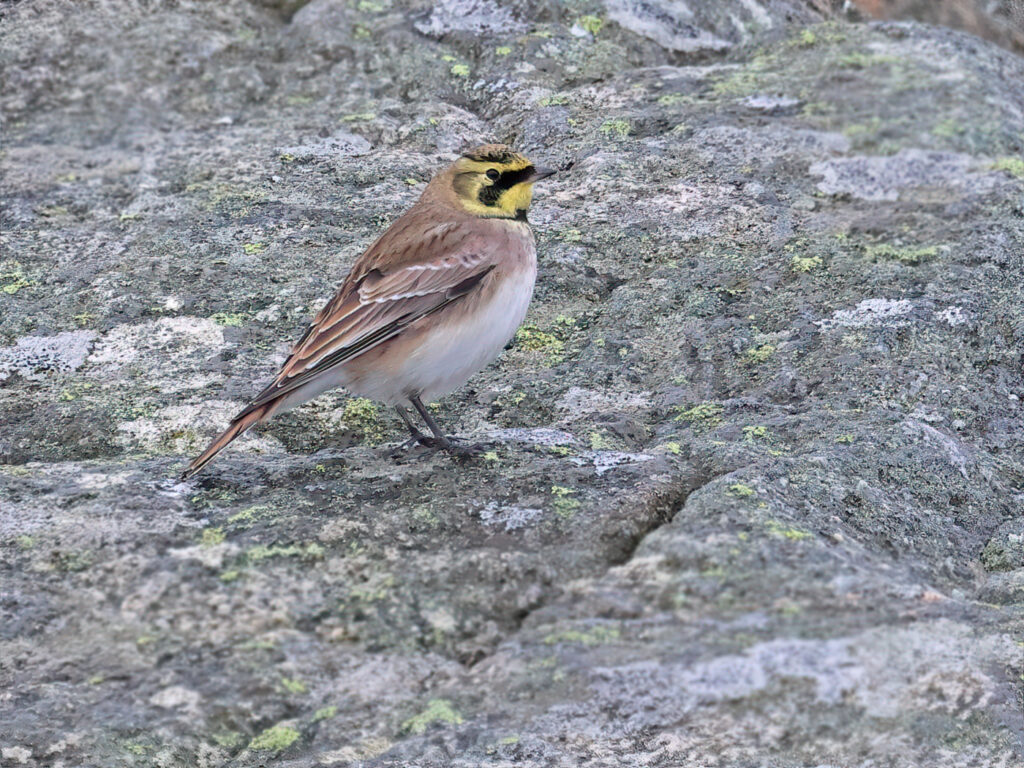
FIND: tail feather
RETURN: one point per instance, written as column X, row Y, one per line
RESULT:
column 240, row 424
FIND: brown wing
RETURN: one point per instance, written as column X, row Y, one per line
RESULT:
column 383, row 294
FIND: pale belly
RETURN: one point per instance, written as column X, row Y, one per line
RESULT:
column 448, row 348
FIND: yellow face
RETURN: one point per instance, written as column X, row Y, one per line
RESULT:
column 494, row 182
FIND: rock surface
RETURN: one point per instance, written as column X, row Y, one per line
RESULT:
column 757, row 478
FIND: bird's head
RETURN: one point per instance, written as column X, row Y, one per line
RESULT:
column 493, row 181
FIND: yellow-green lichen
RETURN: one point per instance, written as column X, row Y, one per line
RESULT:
column 594, row 636
column 230, row 575
column 376, row 589
column 615, row 128
column 13, row 277
column 553, row 101
column 325, row 713
column 212, row 537
column 438, row 712
column 246, row 517
column 1012, row 165
column 275, row 738
column 759, row 354
column 532, row 339
column 599, row 441
column 460, row 70
column 563, row 504
column 775, row 528
column 503, row 50
column 293, row 685
column 233, row 319
column 807, row 38
column 261, row 552
column 704, row 414
column 753, row 433
column 228, row 739
column 75, row 391
column 360, row 415
column 805, row 264
column 906, row 255
column 861, row 60
column 948, row 128
column 592, row 24
column 845, row 439
column 252, row 248
column 740, row 490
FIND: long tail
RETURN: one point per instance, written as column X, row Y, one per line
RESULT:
column 240, row 424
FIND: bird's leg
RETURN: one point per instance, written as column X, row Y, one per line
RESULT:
column 440, row 440
column 417, row 436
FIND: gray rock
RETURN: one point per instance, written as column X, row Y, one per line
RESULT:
column 36, row 357
column 752, row 487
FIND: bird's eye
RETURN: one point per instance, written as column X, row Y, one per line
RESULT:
column 492, row 174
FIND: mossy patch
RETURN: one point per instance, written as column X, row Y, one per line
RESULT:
column 754, row 433
column 275, row 738
column 1012, row 165
column 212, row 537
column 13, row 277
column 759, row 354
column 616, row 128
column 804, row 264
column 553, row 101
column 592, row 24
column 325, row 713
column 904, row 255
column 232, row 319
column 775, row 528
column 460, row 70
column 563, row 504
column 248, row 516
column 703, row 415
column 438, row 712
column 595, row 636
column 740, row 491
column 361, row 416
column 293, row 685
column 531, row 339
column 261, row 552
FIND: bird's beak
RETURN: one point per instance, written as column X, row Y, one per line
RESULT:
column 540, row 172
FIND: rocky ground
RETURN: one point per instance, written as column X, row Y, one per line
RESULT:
column 755, row 490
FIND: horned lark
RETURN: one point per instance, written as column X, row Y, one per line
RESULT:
column 429, row 304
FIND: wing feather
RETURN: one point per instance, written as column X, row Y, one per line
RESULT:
column 375, row 304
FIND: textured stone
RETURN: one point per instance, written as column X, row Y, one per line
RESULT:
column 752, row 490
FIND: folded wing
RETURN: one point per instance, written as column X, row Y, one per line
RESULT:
column 369, row 310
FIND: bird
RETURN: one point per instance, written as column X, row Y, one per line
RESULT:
column 433, row 301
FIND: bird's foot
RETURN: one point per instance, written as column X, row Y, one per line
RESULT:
column 453, row 446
